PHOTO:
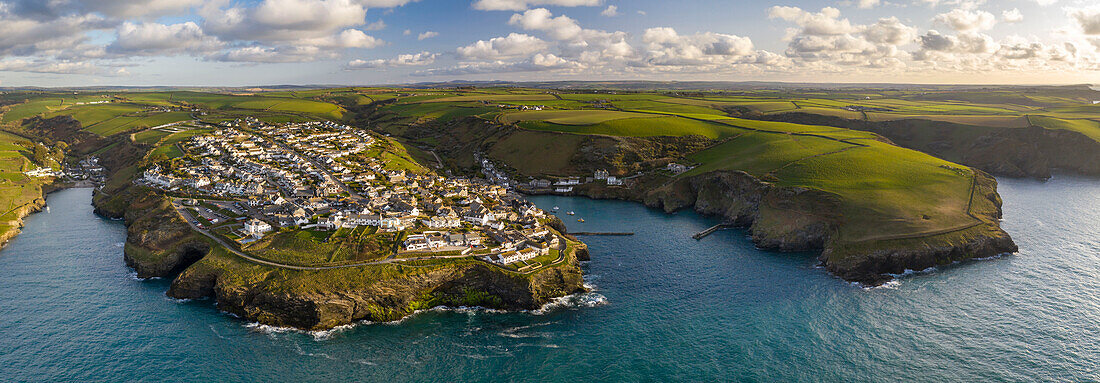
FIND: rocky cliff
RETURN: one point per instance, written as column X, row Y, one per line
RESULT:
column 14, row 225
column 802, row 219
column 1033, row 152
column 160, row 244
column 324, row 299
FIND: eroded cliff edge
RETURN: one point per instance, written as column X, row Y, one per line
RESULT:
column 160, row 244
column 805, row 219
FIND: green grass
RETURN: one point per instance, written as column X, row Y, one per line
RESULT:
column 308, row 247
column 16, row 189
column 150, row 136
column 122, row 124
column 569, row 117
column 886, row 190
column 260, row 103
column 641, row 127
column 536, row 152
column 1089, row 128
column 16, row 113
column 494, row 98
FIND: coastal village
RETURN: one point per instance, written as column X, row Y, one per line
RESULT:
column 246, row 180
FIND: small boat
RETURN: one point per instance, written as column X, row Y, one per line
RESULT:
column 571, row 213
column 557, row 208
column 581, row 220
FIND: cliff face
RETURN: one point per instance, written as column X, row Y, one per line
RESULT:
column 324, row 299
column 785, row 219
column 801, row 219
column 14, row 225
column 160, row 244
column 1033, row 152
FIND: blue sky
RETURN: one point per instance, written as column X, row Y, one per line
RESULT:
column 363, row 42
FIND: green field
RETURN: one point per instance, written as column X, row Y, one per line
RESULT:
column 494, row 98
column 569, row 117
column 305, row 247
column 16, row 189
column 884, row 191
column 641, row 127
column 1089, row 128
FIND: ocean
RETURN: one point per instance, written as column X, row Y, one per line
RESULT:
column 664, row 307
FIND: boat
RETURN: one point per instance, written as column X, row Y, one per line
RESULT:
column 581, row 220
column 571, row 213
column 556, row 208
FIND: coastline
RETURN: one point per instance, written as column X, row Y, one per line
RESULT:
column 34, row 206
column 160, row 244
column 752, row 207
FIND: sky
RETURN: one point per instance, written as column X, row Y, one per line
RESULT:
column 377, row 42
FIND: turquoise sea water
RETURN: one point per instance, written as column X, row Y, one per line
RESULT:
column 665, row 307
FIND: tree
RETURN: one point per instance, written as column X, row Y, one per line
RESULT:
column 41, row 154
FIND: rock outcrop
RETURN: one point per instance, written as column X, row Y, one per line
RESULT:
column 1033, row 152
column 803, row 219
column 160, row 244
column 317, row 300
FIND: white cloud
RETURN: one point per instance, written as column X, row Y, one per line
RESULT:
column 824, row 23
column 375, row 26
column 538, row 63
column 385, row 3
column 497, row 48
column 264, row 54
column 54, row 67
column 611, row 11
column 520, row 5
column 890, row 31
column 24, row 36
column 667, row 47
column 962, row 4
column 419, row 59
column 935, row 46
column 826, row 39
column 139, row 8
column 283, row 20
column 868, row 4
column 1088, row 19
column 1012, row 15
column 160, row 39
column 540, row 19
column 427, row 35
column 967, row 20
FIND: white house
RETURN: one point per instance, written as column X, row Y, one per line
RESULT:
column 444, row 222
column 417, row 242
column 516, row 256
column 256, row 227
column 677, row 168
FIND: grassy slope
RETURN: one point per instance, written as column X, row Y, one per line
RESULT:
column 569, row 117
column 16, row 189
column 886, row 191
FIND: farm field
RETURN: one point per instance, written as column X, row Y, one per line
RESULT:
column 569, row 117
column 888, row 191
column 873, row 178
column 120, row 112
